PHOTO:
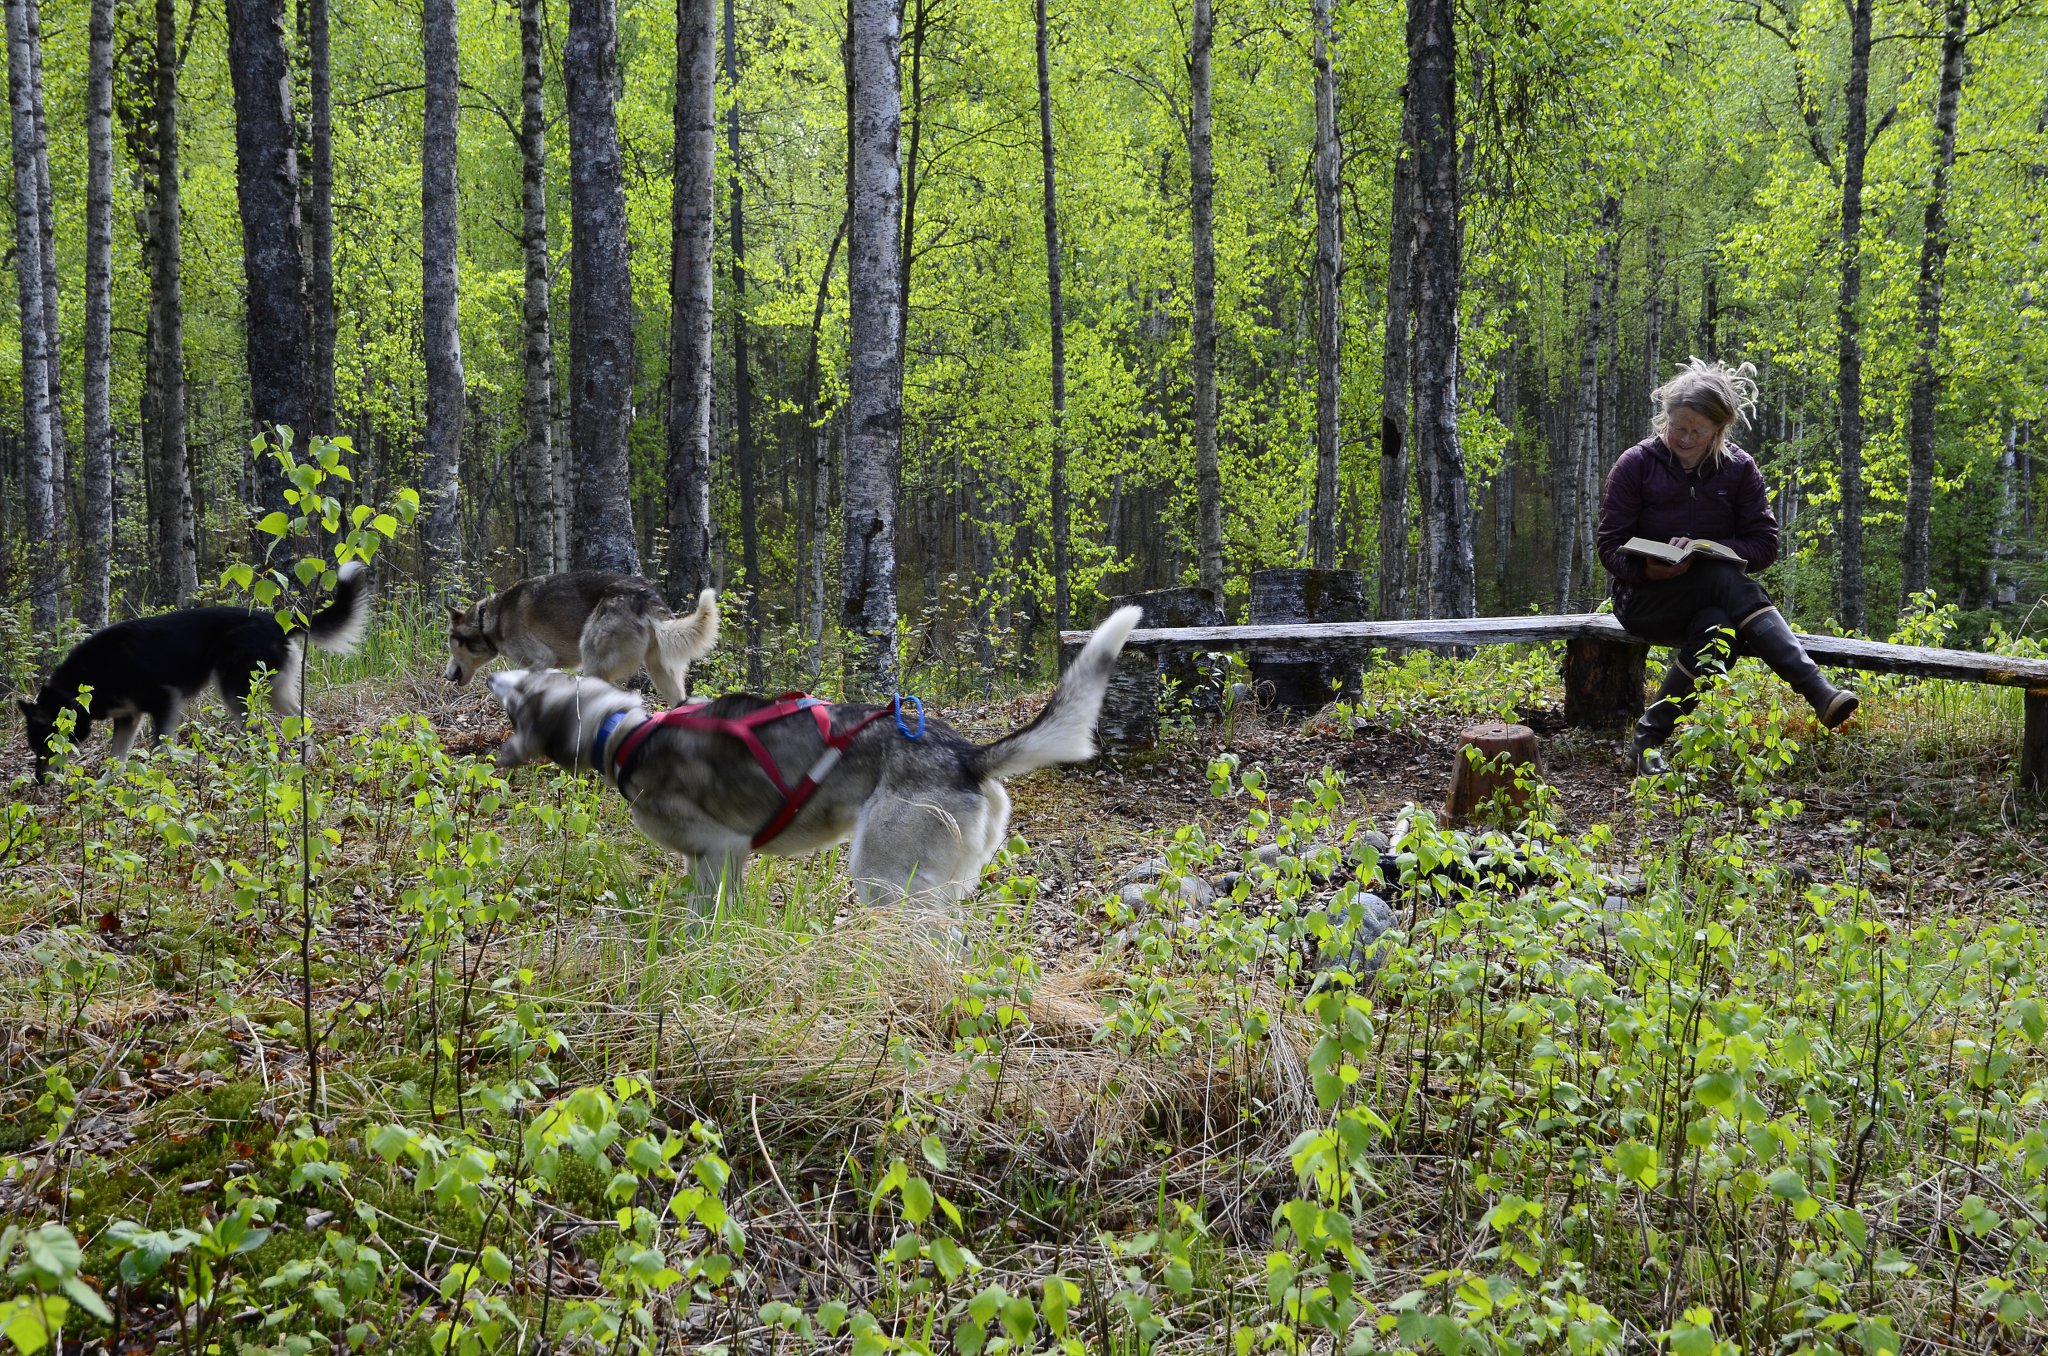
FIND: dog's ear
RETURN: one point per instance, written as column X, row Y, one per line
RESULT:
column 456, row 615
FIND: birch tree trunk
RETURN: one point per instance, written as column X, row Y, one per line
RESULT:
column 906, row 243
column 1395, row 394
column 1571, row 476
column 1508, row 410
column 1848, row 319
column 167, row 474
column 319, row 210
column 1998, row 589
column 267, row 186
column 601, row 299
column 1202, row 192
column 67, row 490
column 440, row 319
column 39, row 485
column 1062, row 581
column 1596, row 411
column 742, row 375
column 1446, row 511
column 1933, row 261
column 692, row 211
column 874, row 433
column 1653, row 313
column 816, row 481
column 96, row 528
column 1329, row 314
column 540, row 508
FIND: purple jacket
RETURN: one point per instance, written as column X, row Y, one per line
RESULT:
column 1650, row 495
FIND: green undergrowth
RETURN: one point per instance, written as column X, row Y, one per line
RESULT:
column 1722, row 1075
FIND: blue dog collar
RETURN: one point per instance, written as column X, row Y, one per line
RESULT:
column 604, row 733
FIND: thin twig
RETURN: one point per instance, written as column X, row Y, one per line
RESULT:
column 824, row 1249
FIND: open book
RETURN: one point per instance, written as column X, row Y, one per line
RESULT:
column 1672, row 555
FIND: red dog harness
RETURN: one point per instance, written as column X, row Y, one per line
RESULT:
column 689, row 716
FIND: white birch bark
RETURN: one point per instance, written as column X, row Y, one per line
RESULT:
column 875, row 413
column 688, row 567
column 96, row 529
column 440, row 317
column 39, row 479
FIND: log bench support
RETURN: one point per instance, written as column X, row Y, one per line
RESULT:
column 1603, row 682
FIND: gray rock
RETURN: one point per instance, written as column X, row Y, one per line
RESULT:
column 1375, row 918
column 1611, row 910
column 1191, row 890
column 1226, row 882
column 1268, row 853
column 1152, row 868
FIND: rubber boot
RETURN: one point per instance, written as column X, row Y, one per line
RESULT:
column 1765, row 635
column 1653, row 727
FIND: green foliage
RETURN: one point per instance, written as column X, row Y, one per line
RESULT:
column 45, row 1285
column 1573, row 1086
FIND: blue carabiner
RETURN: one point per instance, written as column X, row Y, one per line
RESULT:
column 903, row 729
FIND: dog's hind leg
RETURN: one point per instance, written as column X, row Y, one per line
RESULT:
column 165, row 720
column 669, row 685
column 287, row 695
column 927, row 851
column 125, row 727
column 612, row 643
column 234, row 683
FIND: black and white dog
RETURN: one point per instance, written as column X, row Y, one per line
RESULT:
column 152, row 666
column 925, row 813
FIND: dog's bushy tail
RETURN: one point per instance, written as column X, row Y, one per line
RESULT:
column 338, row 627
column 1065, row 731
column 685, row 640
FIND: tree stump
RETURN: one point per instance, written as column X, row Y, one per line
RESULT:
column 1603, row 682
column 1502, row 751
column 1130, row 709
column 1304, row 681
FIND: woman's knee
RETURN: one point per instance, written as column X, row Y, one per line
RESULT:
column 1738, row 595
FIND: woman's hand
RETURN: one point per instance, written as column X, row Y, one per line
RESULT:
column 1659, row 571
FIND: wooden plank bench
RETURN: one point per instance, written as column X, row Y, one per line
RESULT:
column 1603, row 666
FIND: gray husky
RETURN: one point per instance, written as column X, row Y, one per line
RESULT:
column 924, row 807
column 608, row 625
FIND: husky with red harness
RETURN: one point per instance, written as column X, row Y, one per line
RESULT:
column 924, row 807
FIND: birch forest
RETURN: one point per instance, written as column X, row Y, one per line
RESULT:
column 945, row 321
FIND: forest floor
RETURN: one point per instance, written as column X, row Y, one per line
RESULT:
column 1935, row 800
column 1091, row 1067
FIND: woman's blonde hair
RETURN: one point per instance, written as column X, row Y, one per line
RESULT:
column 1724, row 395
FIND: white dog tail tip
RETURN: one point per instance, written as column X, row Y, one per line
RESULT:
column 1065, row 731
column 684, row 640
column 338, row 628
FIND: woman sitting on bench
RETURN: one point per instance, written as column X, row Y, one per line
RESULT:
column 1689, row 487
